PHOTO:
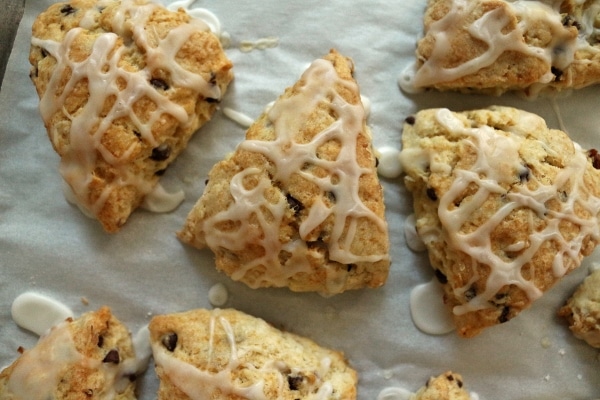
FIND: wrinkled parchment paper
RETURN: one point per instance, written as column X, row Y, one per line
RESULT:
column 48, row 246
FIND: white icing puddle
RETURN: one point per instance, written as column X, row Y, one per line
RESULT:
column 38, row 313
column 389, row 162
column 200, row 13
column 428, row 311
column 161, row 201
column 218, row 295
column 143, row 350
column 413, row 240
column 394, row 393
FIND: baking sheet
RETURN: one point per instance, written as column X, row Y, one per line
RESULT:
column 48, row 246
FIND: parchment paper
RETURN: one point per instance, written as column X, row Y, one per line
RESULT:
column 48, row 246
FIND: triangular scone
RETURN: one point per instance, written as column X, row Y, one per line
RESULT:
column 227, row 354
column 123, row 85
column 91, row 357
column 299, row 204
column 505, row 205
column 496, row 45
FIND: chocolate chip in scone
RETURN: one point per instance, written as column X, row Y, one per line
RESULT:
column 471, row 293
column 100, row 341
column 331, row 196
column 212, row 100
column 112, row 357
column 161, row 152
column 568, row 21
column 431, row 194
column 294, row 381
column 137, row 134
column 441, row 277
column 557, row 73
column 504, row 315
column 160, row 172
column 350, row 267
column 595, row 156
column 213, row 78
column 524, row 175
column 159, row 83
column 67, row 9
column 410, row 120
column 170, row 341
column 294, row 204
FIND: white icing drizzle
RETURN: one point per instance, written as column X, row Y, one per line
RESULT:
column 428, row 311
column 39, row 370
column 238, row 117
column 38, row 313
column 488, row 28
column 101, row 70
column 497, row 156
column 413, row 239
column 199, row 384
column 289, row 156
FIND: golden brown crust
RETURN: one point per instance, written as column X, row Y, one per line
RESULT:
column 128, row 161
column 285, row 365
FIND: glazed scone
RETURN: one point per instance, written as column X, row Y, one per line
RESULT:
column 91, row 357
column 582, row 310
column 227, row 354
column 123, row 85
column 505, row 206
column 299, row 203
column 447, row 386
column 494, row 46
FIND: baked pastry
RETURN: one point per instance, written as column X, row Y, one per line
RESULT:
column 91, row 357
column 494, row 46
column 299, row 203
column 447, row 386
column 505, row 206
column 227, row 354
column 582, row 310
column 123, row 85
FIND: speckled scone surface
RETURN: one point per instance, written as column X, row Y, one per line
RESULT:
column 228, row 354
column 447, row 386
column 91, row 357
column 123, row 85
column 495, row 46
column 582, row 310
column 505, row 205
column 299, row 204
